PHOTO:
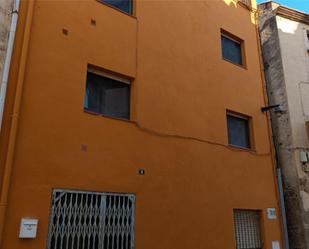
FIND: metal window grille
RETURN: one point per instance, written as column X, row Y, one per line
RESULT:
column 91, row 220
column 247, row 229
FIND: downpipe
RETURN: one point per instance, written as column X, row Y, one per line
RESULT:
column 8, row 166
column 282, row 205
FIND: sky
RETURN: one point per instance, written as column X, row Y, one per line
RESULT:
column 302, row 5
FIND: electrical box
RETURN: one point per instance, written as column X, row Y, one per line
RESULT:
column 28, row 228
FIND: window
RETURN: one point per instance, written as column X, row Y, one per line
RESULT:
column 107, row 94
column 124, row 5
column 247, row 229
column 238, row 130
column 91, row 220
column 232, row 48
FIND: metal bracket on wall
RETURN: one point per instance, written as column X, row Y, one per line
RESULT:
column 276, row 108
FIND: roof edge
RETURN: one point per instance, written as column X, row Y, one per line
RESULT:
column 293, row 14
column 286, row 12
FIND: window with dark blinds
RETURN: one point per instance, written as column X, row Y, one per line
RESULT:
column 91, row 220
column 231, row 50
column 238, row 130
column 107, row 96
column 247, row 229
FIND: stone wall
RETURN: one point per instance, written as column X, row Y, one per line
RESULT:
column 5, row 22
column 294, row 44
column 282, row 128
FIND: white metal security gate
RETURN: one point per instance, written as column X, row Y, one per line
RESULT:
column 91, row 220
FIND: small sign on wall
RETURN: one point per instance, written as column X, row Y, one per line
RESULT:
column 28, row 228
column 271, row 213
column 275, row 245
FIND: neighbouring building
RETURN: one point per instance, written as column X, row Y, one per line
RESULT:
column 7, row 32
column 5, row 22
column 137, row 124
column 285, row 45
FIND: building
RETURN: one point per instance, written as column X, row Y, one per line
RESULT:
column 7, row 34
column 285, row 44
column 137, row 125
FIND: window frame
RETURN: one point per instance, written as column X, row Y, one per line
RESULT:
column 235, row 39
column 114, row 76
column 250, row 129
column 132, row 10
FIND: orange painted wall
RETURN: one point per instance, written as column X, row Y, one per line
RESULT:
column 182, row 87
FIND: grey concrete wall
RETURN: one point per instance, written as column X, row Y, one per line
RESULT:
column 5, row 22
column 282, row 129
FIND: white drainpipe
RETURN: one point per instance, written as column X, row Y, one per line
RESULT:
column 8, row 57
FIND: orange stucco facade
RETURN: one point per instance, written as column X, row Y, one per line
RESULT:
column 181, row 90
